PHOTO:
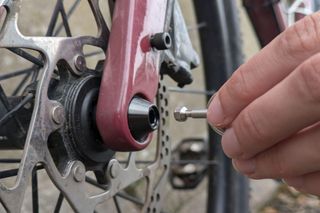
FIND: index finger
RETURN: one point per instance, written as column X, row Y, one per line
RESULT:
column 265, row 70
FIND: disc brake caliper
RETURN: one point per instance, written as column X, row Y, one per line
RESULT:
column 182, row 57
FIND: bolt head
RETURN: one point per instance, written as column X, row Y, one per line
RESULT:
column 58, row 114
column 80, row 63
column 115, row 169
column 161, row 41
column 27, row 105
column 180, row 114
column 79, row 173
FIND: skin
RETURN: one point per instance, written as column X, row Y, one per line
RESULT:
column 270, row 108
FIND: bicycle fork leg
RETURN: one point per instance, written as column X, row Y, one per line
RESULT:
column 266, row 18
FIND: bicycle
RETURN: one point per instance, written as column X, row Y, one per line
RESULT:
column 84, row 126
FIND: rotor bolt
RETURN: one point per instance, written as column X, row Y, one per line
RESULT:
column 79, row 173
column 58, row 114
column 28, row 106
column 161, row 41
column 115, row 169
column 80, row 63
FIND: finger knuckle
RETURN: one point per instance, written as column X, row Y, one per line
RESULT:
column 309, row 79
column 302, row 36
column 271, row 164
column 237, row 86
column 251, row 128
column 278, row 160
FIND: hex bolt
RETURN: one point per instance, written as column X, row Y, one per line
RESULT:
column 115, row 169
column 181, row 114
column 27, row 106
column 161, row 41
column 57, row 114
column 79, row 173
column 80, row 63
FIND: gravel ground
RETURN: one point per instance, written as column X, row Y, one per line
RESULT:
column 288, row 200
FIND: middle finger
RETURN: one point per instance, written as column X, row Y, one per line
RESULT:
column 290, row 106
column 296, row 156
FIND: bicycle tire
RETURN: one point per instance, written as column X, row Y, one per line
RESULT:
column 221, row 45
column 316, row 5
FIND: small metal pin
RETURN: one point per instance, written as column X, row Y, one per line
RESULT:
column 181, row 114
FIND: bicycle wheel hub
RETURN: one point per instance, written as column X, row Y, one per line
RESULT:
column 80, row 127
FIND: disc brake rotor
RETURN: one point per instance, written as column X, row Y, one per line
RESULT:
column 49, row 115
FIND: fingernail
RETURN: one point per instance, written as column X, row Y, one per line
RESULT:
column 246, row 166
column 230, row 144
column 234, row 163
column 295, row 182
column 215, row 113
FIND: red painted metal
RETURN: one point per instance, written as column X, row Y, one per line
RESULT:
column 2, row 11
column 131, row 68
column 266, row 18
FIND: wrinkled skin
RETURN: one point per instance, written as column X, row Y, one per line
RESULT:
column 270, row 108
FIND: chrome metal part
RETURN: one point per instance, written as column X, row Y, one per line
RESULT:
column 181, row 114
column 191, row 91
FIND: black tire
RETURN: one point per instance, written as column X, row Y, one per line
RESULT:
column 316, row 5
column 221, row 44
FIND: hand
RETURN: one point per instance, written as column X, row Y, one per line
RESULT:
column 271, row 110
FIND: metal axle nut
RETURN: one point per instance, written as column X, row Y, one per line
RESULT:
column 57, row 115
column 79, row 173
column 180, row 114
column 80, row 63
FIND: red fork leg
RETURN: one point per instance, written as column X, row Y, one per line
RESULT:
column 131, row 69
column 266, row 18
